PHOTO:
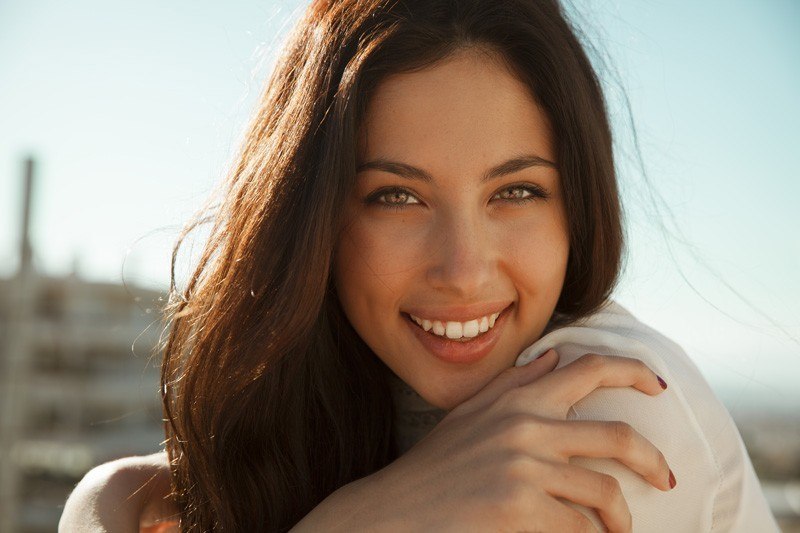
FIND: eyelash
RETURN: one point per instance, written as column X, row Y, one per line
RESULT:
column 375, row 198
column 534, row 193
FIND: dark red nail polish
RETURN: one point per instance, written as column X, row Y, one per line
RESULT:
column 662, row 383
column 672, row 481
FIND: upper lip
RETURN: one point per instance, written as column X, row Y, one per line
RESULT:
column 459, row 313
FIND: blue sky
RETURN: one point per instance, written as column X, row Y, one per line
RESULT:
column 133, row 110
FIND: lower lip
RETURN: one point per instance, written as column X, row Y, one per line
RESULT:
column 460, row 351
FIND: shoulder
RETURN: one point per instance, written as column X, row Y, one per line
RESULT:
column 114, row 495
column 687, row 423
column 615, row 331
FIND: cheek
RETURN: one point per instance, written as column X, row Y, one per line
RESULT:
column 375, row 262
column 537, row 251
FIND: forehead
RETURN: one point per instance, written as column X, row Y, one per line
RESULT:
column 468, row 107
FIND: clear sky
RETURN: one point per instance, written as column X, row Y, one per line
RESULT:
column 133, row 110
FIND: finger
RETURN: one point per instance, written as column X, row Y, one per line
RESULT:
column 616, row 440
column 522, row 375
column 511, row 378
column 573, row 382
column 562, row 517
column 591, row 489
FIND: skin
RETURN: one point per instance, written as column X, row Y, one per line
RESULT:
column 455, row 241
column 499, row 460
column 126, row 495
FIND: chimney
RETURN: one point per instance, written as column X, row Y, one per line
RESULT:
column 26, row 251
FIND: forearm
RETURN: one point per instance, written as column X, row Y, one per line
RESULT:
column 353, row 507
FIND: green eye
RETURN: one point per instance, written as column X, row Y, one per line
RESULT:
column 398, row 198
column 521, row 193
column 514, row 193
column 391, row 198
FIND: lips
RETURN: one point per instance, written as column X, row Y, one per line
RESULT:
column 462, row 350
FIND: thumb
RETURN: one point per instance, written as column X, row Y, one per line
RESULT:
column 537, row 368
column 513, row 377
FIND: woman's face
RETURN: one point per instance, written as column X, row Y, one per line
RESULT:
column 456, row 226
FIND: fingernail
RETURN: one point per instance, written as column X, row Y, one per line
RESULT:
column 545, row 353
column 662, row 383
column 672, row 481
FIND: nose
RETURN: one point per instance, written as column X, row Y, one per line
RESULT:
column 463, row 262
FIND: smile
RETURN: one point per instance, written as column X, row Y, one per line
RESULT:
column 457, row 330
column 459, row 342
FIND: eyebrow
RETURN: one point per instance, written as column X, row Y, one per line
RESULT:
column 411, row 172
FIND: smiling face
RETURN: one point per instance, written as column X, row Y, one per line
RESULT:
column 456, row 226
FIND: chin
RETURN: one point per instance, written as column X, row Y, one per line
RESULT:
column 448, row 395
column 445, row 402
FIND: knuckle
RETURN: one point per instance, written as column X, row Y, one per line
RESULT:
column 517, row 497
column 518, row 469
column 623, row 435
column 591, row 361
column 511, row 499
column 518, row 432
column 609, row 488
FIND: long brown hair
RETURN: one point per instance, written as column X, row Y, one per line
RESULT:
column 271, row 399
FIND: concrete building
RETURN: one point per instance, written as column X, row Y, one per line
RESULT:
column 89, row 394
column 78, row 384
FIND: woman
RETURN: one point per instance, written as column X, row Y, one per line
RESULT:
column 425, row 198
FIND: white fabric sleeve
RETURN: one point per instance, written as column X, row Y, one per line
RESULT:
column 717, row 489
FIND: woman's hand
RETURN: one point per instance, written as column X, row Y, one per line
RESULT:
column 500, row 460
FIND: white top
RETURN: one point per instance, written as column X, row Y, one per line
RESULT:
column 717, row 489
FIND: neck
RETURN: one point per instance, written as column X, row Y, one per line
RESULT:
column 414, row 417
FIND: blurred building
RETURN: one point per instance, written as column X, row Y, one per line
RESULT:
column 78, row 384
column 89, row 394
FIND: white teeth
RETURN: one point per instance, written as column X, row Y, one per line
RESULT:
column 471, row 329
column 457, row 330
column 454, row 330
